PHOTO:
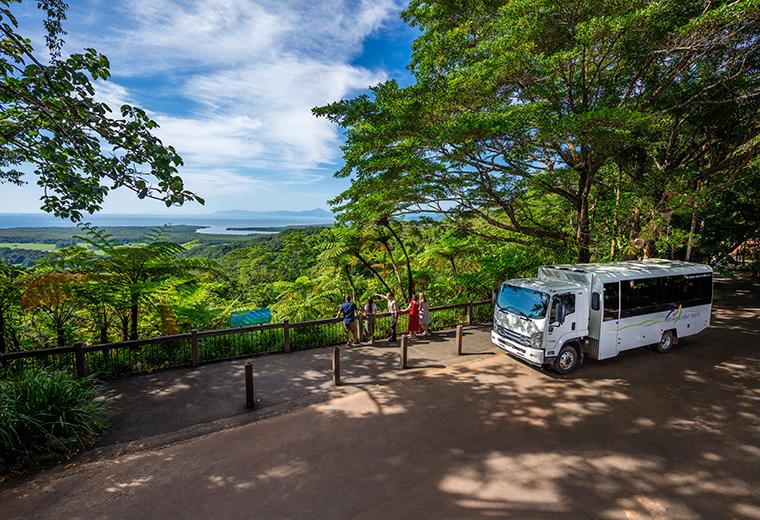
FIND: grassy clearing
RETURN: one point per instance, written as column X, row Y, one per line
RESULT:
column 30, row 246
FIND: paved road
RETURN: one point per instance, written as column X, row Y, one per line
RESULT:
column 644, row 436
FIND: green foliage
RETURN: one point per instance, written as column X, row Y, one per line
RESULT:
column 527, row 115
column 45, row 415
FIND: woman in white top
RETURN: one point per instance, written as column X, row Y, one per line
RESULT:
column 370, row 309
column 424, row 314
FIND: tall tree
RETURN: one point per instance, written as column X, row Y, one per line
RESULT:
column 518, row 106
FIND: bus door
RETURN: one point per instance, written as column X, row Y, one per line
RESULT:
column 609, row 338
column 559, row 328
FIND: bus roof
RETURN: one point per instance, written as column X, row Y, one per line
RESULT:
column 632, row 269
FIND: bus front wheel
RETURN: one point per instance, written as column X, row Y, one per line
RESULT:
column 567, row 361
column 666, row 342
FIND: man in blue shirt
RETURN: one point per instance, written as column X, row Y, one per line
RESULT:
column 348, row 310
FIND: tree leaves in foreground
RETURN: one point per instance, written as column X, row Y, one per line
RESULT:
column 79, row 148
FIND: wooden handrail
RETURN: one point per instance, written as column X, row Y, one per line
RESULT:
column 201, row 334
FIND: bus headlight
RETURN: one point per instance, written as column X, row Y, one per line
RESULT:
column 536, row 339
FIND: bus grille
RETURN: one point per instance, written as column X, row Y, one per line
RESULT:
column 513, row 336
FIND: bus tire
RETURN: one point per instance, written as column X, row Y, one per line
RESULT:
column 566, row 361
column 666, row 342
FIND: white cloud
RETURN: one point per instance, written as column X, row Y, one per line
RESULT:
column 252, row 72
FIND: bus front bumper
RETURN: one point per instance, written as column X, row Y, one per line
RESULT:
column 533, row 356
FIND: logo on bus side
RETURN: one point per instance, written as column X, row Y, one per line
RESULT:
column 674, row 315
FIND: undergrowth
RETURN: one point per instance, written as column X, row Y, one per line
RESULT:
column 46, row 416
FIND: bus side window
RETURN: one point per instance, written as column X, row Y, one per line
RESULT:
column 568, row 300
column 638, row 297
column 595, row 303
column 611, row 301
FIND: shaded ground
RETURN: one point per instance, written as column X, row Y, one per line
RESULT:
column 165, row 402
column 644, row 436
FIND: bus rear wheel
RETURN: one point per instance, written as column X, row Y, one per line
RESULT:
column 666, row 342
column 567, row 361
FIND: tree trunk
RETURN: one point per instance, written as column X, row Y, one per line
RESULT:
column 350, row 282
column 104, row 329
column 410, row 280
column 60, row 334
column 583, row 237
column 124, row 327
column 395, row 267
column 692, row 230
column 368, row 266
column 615, row 216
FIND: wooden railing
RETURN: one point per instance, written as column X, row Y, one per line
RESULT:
column 199, row 347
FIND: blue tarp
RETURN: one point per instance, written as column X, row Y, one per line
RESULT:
column 246, row 318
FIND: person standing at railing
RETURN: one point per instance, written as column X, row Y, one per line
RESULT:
column 413, row 310
column 393, row 309
column 348, row 310
column 370, row 310
column 424, row 315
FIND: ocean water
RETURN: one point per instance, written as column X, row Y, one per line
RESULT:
column 207, row 224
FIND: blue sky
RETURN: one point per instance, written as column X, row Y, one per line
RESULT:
column 231, row 84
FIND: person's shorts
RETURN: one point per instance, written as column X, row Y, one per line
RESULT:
column 350, row 327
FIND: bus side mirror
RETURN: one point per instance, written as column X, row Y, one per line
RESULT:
column 494, row 294
column 559, row 313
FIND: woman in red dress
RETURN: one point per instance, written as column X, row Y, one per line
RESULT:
column 413, row 310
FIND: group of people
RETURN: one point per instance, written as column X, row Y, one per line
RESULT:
column 418, row 311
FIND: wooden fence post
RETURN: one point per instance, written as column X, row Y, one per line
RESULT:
column 336, row 366
column 459, row 340
column 403, row 352
column 250, row 400
column 194, row 343
column 79, row 359
column 286, row 334
column 469, row 312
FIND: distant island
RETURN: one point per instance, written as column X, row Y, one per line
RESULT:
column 240, row 213
column 266, row 229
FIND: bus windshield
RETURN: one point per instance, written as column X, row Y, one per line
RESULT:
column 524, row 302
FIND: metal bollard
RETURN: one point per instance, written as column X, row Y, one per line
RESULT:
column 336, row 366
column 250, row 400
column 403, row 352
column 459, row 340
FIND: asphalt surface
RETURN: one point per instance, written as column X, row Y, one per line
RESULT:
column 478, row 436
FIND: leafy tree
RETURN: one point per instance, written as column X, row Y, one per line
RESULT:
column 141, row 271
column 519, row 105
column 336, row 256
column 305, row 299
column 54, row 294
column 80, row 151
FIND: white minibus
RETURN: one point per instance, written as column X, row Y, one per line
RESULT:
column 599, row 310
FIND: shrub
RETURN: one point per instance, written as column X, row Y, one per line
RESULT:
column 46, row 415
